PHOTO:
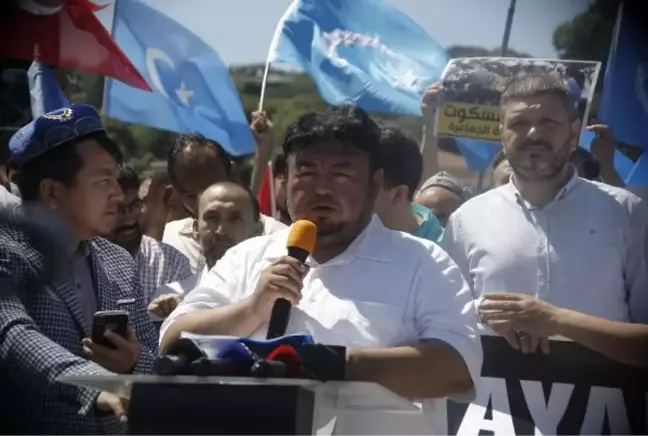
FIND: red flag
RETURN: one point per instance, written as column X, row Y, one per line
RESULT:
column 68, row 35
column 265, row 194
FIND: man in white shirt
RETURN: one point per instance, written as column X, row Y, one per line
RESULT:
column 194, row 164
column 398, row 303
column 577, row 244
column 228, row 213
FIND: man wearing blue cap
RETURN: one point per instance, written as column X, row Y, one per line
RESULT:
column 67, row 174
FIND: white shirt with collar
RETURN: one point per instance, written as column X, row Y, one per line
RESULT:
column 387, row 289
column 585, row 251
column 179, row 234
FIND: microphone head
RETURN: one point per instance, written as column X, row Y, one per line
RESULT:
column 236, row 351
column 303, row 235
column 288, row 355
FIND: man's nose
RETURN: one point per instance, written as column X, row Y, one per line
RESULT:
column 324, row 184
column 533, row 133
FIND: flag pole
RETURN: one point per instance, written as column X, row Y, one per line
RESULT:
column 104, row 94
column 273, row 46
column 507, row 29
column 503, row 51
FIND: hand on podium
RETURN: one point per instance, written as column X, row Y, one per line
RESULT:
column 107, row 402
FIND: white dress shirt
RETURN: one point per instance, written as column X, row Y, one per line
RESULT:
column 387, row 289
column 585, row 251
column 179, row 234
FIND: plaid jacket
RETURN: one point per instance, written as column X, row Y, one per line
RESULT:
column 41, row 327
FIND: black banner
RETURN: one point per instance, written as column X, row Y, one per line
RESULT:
column 572, row 390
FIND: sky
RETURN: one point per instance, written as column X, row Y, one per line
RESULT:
column 241, row 30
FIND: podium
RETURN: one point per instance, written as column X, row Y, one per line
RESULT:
column 238, row 405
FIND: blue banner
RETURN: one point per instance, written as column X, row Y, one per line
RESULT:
column 624, row 103
column 361, row 51
column 193, row 91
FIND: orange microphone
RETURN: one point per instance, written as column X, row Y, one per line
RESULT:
column 301, row 243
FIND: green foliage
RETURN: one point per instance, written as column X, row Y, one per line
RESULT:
column 588, row 37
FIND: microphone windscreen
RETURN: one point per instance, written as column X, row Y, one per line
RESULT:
column 236, row 351
column 303, row 235
column 288, row 355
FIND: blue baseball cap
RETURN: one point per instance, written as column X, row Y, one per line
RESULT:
column 53, row 129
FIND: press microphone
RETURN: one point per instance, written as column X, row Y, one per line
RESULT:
column 288, row 356
column 301, row 243
column 247, row 363
column 178, row 358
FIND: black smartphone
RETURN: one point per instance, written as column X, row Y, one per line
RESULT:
column 115, row 320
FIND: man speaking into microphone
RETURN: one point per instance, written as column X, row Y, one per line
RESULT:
column 398, row 303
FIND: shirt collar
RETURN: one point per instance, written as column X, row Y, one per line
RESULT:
column 369, row 244
column 512, row 191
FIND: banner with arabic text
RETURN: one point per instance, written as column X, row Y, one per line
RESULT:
column 473, row 87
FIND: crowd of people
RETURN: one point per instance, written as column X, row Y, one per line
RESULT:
column 410, row 267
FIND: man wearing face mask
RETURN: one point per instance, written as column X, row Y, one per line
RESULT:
column 157, row 262
column 228, row 213
column 548, row 234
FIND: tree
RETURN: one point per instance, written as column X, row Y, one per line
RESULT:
column 588, row 36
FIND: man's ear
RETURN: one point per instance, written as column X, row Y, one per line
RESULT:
column 377, row 183
column 400, row 194
column 195, row 229
column 51, row 192
column 575, row 131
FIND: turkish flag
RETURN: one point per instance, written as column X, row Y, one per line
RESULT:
column 63, row 33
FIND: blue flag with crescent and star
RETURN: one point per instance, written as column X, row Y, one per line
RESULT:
column 361, row 51
column 193, row 90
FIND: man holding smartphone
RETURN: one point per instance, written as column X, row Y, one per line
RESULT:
column 67, row 174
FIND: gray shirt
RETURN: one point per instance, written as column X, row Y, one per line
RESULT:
column 83, row 283
column 584, row 251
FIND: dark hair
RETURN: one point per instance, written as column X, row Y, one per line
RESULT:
column 279, row 166
column 348, row 125
column 586, row 163
column 535, row 85
column 402, row 161
column 256, row 208
column 499, row 157
column 186, row 142
column 128, row 179
column 62, row 164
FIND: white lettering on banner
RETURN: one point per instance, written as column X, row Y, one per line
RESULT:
column 546, row 415
column 602, row 402
column 493, row 390
column 399, row 70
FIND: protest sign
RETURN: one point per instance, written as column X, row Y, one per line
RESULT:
column 473, row 87
column 572, row 390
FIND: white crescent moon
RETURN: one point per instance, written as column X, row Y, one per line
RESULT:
column 155, row 54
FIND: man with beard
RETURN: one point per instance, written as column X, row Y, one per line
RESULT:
column 157, row 262
column 228, row 213
column 397, row 302
column 548, row 234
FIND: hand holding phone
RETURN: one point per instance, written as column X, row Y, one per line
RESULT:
column 113, row 320
column 113, row 344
